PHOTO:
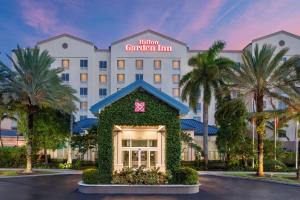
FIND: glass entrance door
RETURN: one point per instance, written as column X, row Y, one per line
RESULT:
column 139, row 158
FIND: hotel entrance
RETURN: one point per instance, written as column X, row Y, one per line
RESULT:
column 139, row 147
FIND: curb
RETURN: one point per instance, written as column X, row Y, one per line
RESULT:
column 55, row 172
column 253, row 179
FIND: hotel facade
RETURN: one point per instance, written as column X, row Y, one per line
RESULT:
column 156, row 59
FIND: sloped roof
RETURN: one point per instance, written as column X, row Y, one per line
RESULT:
column 183, row 109
column 276, row 33
column 197, row 126
column 148, row 31
column 65, row 35
column 9, row 132
column 84, row 124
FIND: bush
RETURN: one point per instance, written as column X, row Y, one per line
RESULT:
column 64, row 165
column 275, row 165
column 12, row 157
column 185, row 176
column 91, row 176
column 139, row 176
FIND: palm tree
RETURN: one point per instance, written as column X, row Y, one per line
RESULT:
column 206, row 73
column 35, row 86
column 263, row 74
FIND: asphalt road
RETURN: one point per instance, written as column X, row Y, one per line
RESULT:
column 213, row 188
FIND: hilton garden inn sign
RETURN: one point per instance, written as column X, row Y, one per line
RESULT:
column 148, row 46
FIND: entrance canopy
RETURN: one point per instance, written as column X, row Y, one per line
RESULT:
column 140, row 84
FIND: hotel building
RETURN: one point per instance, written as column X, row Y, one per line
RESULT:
column 157, row 59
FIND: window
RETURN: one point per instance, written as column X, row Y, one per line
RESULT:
column 83, row 63
column 198, row 107
column 265, row 104
column 284, row 59
column 176, row 78
column 176, row 64
column 83, row 105
column 139, row 64
column 65, row 77
column 121, row 78
column 197, row 118
column 83, row 91
column 138, row 77
column 281, row 105
column 65, row 63
column 83, row 77
column 176, row 92
column 102, row 65
column 121, row 64
column 157, row 64
column 102, row 92
column 103, row 78
column 82, row 117
column 157, row 78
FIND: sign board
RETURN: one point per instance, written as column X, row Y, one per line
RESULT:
column 148, row 46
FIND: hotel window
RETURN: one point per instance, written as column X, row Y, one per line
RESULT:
column 176, row 64
column 139, row 64
column 83, row 105
column 121, row 78
column 83, row 63
column 157, row 78
column 65, row 63
column 198, row 107
column 157, row 64
column 281, row 105
column 103, row 78
column 176, row 92
column 139, row 77
column 121, row 64
column 83, row 91
column 284, row 59
column 102, row 65
column 82, row 117
column 83, row 77
column 176, row 78
column 65, row 77
column 102, row 92
column 265, row 104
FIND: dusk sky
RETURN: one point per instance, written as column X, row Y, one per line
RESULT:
column 195, row 22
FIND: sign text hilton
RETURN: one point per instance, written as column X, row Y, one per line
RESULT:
column 148, row 46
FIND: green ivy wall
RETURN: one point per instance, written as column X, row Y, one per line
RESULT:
column 122, row 113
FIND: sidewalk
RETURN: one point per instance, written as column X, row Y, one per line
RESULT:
column 56, row 172
column 240, row 172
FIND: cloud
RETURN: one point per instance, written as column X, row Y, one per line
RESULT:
column 42, row 16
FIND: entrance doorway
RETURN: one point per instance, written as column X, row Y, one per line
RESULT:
column 139, row 147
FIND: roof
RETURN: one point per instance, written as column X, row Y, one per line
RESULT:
column 276, row 33
column 84, row 124
column 148, row 31
column 9, row 132
column 183, row 109
column 185, row 124
column 197, row 126
column 65, row 35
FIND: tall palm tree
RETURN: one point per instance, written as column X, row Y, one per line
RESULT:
column 35, row 86
column 206, row 74
column 263, row 74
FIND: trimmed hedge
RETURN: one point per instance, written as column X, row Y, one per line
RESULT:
column 122, row 113
column 91, row 176
column 185, row 176
column 12, row 157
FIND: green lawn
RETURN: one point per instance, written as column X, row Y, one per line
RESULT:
column 20, row 172
column 286, row 178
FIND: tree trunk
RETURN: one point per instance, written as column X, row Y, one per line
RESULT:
column 1, row 135
column 29, row 142
column 69, row 160
column 260, row 130
column 45, row 153
column 205, row 133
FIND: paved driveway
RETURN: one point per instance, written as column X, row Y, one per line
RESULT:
column 213, row 188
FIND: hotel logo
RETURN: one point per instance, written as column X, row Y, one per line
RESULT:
column 148, row 46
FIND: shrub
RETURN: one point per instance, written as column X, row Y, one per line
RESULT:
column 91, row 176
column 275, row 165
column 139, row 176
column 185, row 176
column 12, row 157
column 64, row 165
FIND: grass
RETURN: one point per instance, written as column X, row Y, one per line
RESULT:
column 20, row 172
column 285, row 178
